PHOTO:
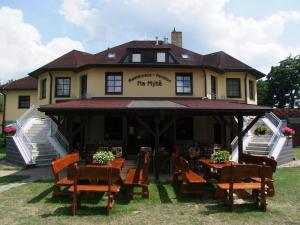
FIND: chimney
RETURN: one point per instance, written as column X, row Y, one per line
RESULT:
column 176, row 37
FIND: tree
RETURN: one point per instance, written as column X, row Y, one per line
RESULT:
column 262, row 93
column 283, row 83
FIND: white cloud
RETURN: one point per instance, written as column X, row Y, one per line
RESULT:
column 205, row 23
column 21, row 50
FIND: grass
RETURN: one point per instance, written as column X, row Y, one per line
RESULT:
column 2, row 153
column 12, row 178
column 32, row 204
column 297, row 153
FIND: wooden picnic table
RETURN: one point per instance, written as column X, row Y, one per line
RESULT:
column 116, row 163
column 212, row 169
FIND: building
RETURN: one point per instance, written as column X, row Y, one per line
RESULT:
column 148, row 93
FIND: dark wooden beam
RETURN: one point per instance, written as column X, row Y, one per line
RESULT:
column 146, row 126
column 156, row 149
column 240, row 137
column 168, row 126
column 250, row 125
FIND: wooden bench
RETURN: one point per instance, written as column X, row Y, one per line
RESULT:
column 58, row 166
column 191, row 181
column 259, row 160
column 138, row 177
column 238, row 177
column 107, row 174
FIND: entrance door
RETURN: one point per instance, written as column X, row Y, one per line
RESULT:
column 138, row 136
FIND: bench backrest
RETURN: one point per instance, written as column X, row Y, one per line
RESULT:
column 59, row 164
column 236, row 172
column 259, row 160
column 185, row 168
column 176, row 165
column 107, row 174
column 145, row 168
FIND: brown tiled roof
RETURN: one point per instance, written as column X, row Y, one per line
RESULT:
column 286, row 113
column 136, row 104
column 25, row 83
column 77, row 60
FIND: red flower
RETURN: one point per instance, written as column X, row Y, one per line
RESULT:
column 287, row 131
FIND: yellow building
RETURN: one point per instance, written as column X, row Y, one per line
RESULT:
column 18, row 97
column 144, row 93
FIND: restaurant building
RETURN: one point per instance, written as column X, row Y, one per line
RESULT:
column 149, row 93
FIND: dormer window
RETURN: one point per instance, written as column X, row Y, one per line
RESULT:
column 111, row 55
column 161, row 57
column 185, row 56
column 136, row 57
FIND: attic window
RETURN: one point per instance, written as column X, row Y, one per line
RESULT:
column 136, row 57
column 111, row 55
column 185, row 56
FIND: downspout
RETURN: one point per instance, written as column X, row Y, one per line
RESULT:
column 3, row 116
column 205, row 84
column 246, row 91
column 51, row 85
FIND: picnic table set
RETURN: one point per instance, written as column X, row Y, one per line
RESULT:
column 103, row 174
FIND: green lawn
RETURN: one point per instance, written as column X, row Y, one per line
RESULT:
column 32, row 204
column 2, row 153
column 297, row 153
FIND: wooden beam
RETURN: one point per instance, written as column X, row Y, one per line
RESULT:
column 82, row 125
column 168, row 126
column 240, row 137
column 156, row 149
column 143, row 123
column 250, row 125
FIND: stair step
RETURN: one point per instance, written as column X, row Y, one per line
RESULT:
column 258, row 144
column 257, row 152
column 259, row 148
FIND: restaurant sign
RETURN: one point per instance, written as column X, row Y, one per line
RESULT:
column 148, row 79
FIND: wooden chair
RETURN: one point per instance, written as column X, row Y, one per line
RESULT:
column 176, row 168
column 105, row 174
column 259, row 160
column 138, row 177
column 191, row 181
column 238, row 177
column 58, row 166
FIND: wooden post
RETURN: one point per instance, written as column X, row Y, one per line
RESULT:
column 156, row 156
column 240, row 137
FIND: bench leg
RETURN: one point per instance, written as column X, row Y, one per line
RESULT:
column 74, row 204
column 145, row 192
column 263, row 201
column 130, row 192
column 270, row 189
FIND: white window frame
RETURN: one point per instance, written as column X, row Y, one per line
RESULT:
column 161, row 57
column 136, row 57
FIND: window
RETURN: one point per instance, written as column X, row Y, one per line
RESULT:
column 136, row 57
column 43, row 88
column 113, row 128
column 161, row 57
column 62, row 86
column 24, row 102
column 251, row 89
column 233, row 86
column 83, row 86
column 213, row 87
column 111, row 55
column 185, row 128
column 184, row 84
column 114, row 83
column 185, row 56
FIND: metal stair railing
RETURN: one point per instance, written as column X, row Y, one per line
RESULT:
column 56, row 134
column 276, row 134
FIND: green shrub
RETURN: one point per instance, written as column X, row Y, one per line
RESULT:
column 102, row 157
column 262, row 130
column 221, row 156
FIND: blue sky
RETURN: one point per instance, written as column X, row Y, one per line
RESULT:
column 260, row 33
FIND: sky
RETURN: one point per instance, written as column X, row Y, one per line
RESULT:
column 33, row 33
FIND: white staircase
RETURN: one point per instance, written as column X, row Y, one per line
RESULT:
column 38, row 139
column 272, row 145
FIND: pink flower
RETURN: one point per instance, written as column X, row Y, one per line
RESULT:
column 287, row 131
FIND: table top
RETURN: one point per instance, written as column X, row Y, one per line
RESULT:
column 117, row 163
column 211, row 164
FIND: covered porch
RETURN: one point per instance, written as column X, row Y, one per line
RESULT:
column 156, row 123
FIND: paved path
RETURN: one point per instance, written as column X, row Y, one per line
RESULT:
column 39, row 173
